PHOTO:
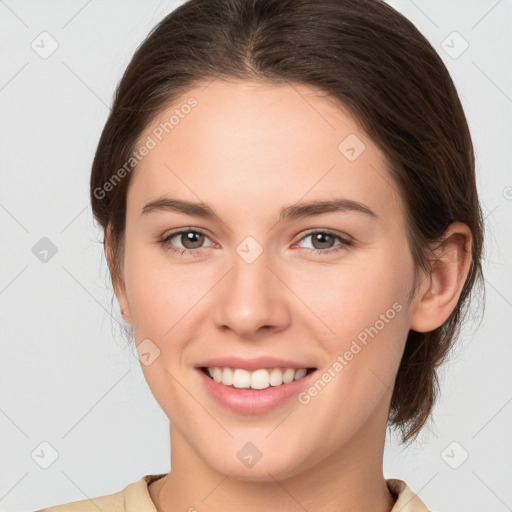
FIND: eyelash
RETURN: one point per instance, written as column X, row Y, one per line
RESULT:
column 345, row 243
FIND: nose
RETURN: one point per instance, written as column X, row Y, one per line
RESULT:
column 252, row 300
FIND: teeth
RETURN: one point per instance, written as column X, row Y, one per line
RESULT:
column 258, row 379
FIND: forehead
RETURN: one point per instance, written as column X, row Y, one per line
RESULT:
column 260, row 143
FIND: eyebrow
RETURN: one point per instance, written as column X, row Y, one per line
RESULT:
column 292, row 212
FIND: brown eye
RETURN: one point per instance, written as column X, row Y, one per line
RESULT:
column 186, row 241
column 323, row 241
column 191, row 239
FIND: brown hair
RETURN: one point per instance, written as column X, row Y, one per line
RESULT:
column 378, row 66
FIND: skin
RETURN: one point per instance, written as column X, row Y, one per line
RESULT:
column 247, row 150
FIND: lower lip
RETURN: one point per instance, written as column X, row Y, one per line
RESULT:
column 253, row 401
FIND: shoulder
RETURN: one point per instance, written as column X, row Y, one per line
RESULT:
column 134, row 497
column 406, row 499
column 112, row 503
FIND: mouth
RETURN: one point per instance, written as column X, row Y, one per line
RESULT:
column 254, row 392
column 260, row 379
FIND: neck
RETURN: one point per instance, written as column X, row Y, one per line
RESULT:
column 350, row 479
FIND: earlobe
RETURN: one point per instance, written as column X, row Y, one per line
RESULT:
column 440, row 291
column 117, row 281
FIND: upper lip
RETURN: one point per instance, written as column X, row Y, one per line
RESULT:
column 252, row 364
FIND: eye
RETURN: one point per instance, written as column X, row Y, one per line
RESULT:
column 192, row 240
column 324, row 239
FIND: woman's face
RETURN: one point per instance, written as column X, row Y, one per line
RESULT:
column 265, row 276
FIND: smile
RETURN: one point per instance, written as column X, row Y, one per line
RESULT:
column 277, row 386
column 257, row 379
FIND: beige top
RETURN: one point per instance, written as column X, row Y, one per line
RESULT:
column 135, row 498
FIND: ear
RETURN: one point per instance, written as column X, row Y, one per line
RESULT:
column 117, row 279
column 439, row 292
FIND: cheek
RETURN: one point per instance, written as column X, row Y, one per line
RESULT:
column 160, row 293
column 348, row 297
column 364, row 321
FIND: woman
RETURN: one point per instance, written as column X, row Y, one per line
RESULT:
column 293, row 231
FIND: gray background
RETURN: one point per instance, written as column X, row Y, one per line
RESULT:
column 65, row 378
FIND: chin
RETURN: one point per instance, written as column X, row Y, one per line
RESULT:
column 277, row 466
